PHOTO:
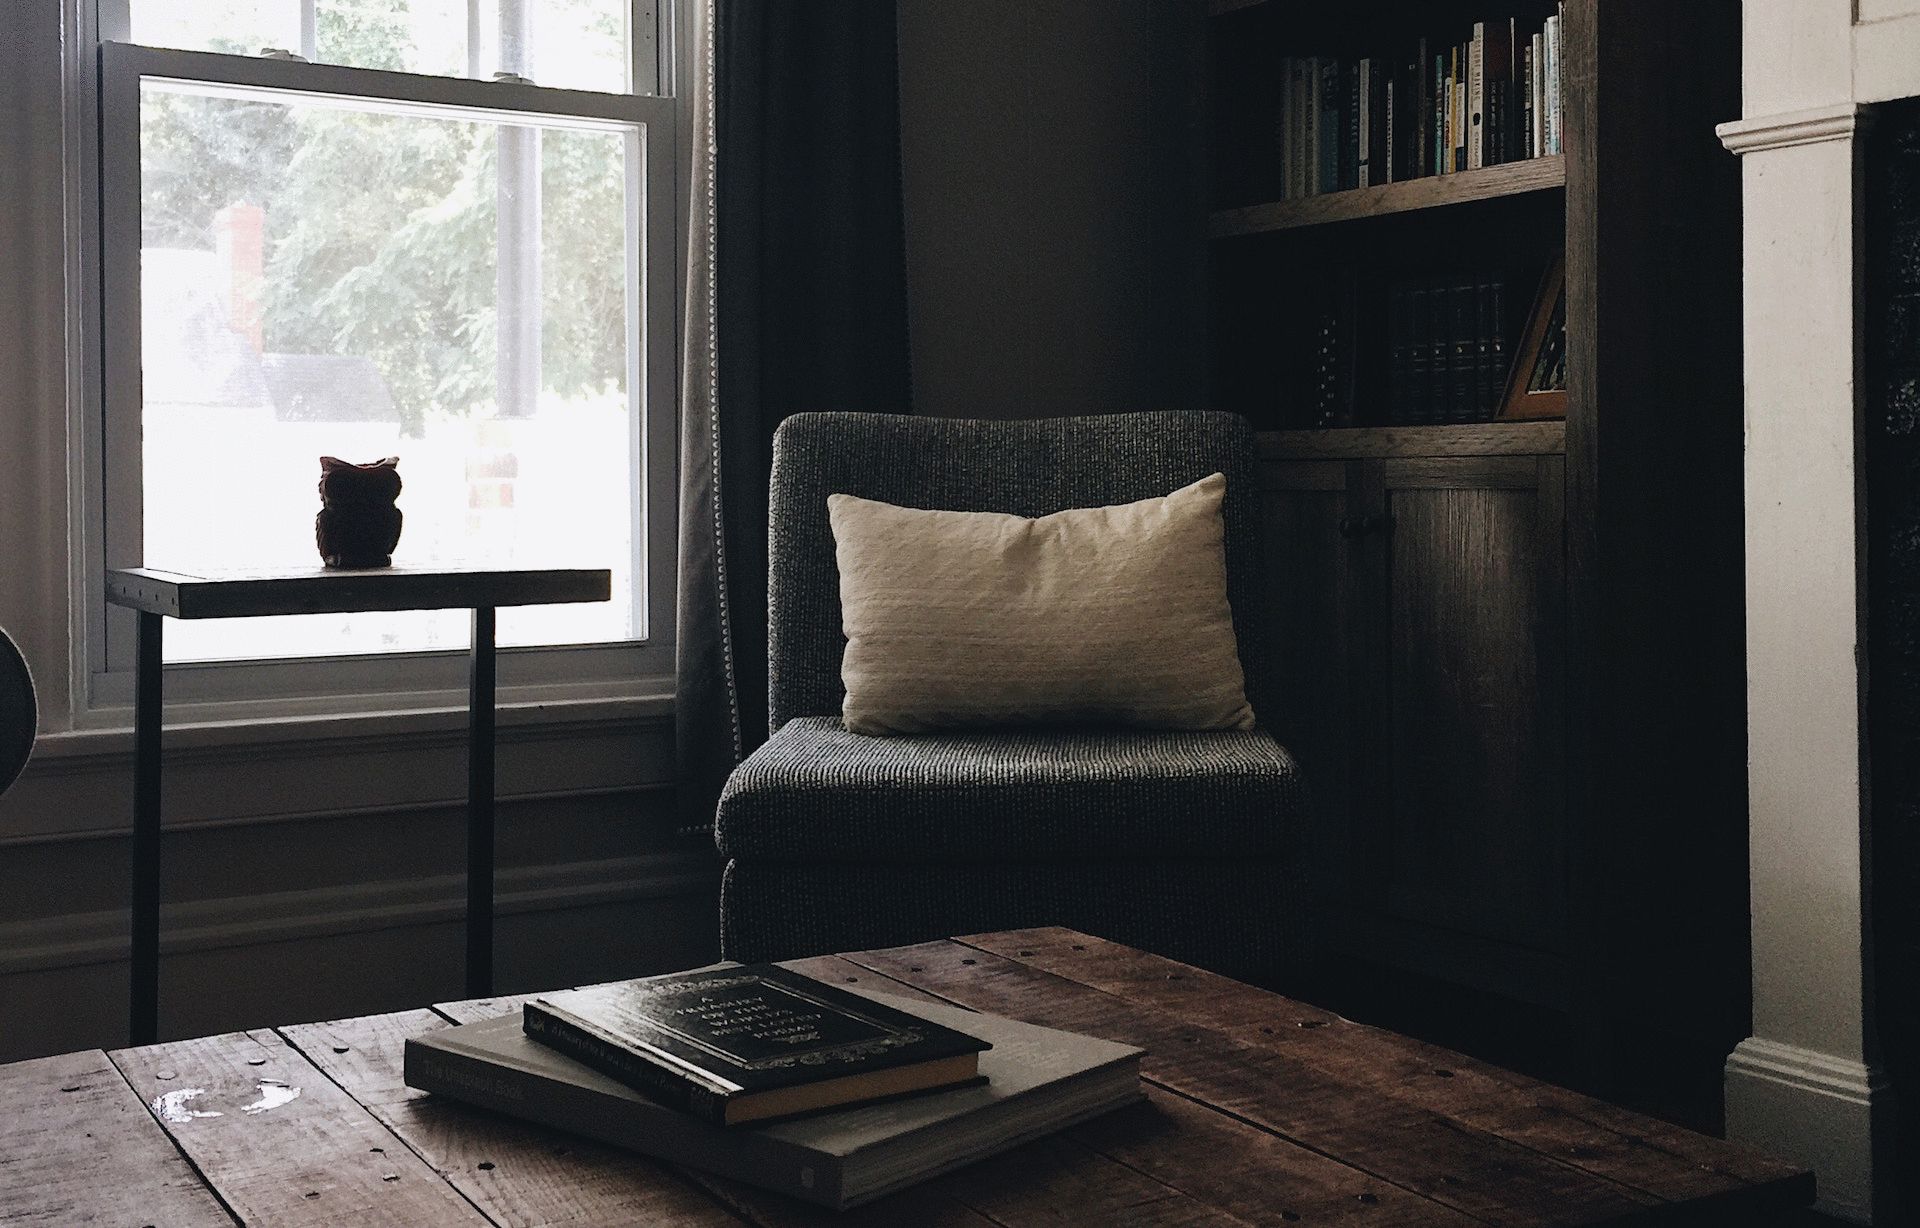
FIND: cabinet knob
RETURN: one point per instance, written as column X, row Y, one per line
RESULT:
column 1360, row 526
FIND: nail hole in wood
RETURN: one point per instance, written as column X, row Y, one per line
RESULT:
column 74, row 1087
column 966, row 961
column 852, row 979
column 914, row 968
column 163, row 1074
column 486, row 1166
column 1369, row 1198
column 1079, row 947
column 312, row 1194
column 1443, row 1072
column 256, row 1061
column 1025, row 954
column 1311, row 1024
column 379, row 1151
column 390, row 1176
column 340, row 1048
column 1267, row 1031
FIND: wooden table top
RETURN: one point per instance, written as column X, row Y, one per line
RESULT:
column 1260, row 1110
column 249, row 593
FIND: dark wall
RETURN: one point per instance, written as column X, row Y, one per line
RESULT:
column 1892, row 264
column 1054, row 208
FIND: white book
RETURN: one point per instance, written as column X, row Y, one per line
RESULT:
column 1477, row 96
column 1536, row 143
column 1552, row 38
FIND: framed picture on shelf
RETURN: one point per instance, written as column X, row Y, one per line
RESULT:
column 1537, row 384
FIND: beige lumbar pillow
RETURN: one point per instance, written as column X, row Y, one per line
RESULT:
column 1108, row 615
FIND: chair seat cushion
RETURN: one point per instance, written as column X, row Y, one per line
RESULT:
column 818, row 793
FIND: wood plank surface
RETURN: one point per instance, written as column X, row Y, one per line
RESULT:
column 1371, row 442
column 515, row 1173
column 1664, row 1159
column 1426, row 1153
column 1226, row 1162
column 1050, row 1182
column 316, row 1158
column 1430, row 192
column 77, row 1146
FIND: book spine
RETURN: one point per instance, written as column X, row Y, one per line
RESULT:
column 1552, row 41
column 1363, row 94
column 1442, row 109
column 1349, row 124
column 1420, row 98
column 1399, row 353
column 809, row 1176
column 1483, row 393
column 1295, row 139
column 1460, row 136
column 1394, row 174
column 668, row 1087
column 1380, row 134
column 1477, row 97
column 1419, row 355
column 1310, row 127
column 1464, row 368
column 1330, row 130
column 1497, row 339
column 1526, row 105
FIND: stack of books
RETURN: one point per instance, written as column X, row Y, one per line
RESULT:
column 1447, row 343
column 1435, row 108
column 769, row 1077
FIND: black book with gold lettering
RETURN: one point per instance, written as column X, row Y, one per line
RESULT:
column 750, row 1043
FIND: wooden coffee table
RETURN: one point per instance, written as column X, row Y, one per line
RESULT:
column 1260, row 1110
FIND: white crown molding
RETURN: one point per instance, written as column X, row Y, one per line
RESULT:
column 1839, row 122
column 1831, row 1113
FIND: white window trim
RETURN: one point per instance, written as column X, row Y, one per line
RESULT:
column 104, row 387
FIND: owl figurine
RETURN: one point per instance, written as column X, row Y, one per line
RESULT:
column 358, row 525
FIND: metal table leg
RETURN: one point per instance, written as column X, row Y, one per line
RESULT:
column 480, row 719
column 143, row 1010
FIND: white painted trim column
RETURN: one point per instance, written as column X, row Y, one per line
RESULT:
column 1807, row 1084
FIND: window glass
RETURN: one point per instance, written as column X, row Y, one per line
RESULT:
column 570, row 44
column 320, row 277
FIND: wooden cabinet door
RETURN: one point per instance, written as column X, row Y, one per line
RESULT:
column 1460, row 825
column 1306, row 502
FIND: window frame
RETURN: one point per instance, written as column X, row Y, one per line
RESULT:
column 104, row 171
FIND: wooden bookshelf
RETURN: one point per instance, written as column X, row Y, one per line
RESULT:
column 1464, row 439
column 1431, row 192
column 1511, row 651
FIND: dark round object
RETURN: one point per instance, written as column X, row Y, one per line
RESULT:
column 19, row 715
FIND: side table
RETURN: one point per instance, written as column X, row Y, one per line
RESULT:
column 244, row 594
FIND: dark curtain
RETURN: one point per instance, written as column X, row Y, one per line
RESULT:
column 797, row 302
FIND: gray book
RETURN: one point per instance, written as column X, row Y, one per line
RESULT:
column 1036, row 1081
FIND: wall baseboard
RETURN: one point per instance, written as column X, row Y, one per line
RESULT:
column 1831, row 1113
column 79, row 939
column 335, row 952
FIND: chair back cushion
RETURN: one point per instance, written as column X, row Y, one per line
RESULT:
column 1032, row 468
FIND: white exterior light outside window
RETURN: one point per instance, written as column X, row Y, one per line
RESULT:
column 437, row 229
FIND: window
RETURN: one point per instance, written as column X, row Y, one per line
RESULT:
column 436, row 229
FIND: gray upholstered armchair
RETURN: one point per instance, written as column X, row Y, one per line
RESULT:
column 1189, row 844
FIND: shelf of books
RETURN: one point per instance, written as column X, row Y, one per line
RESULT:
column 1440, row 129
